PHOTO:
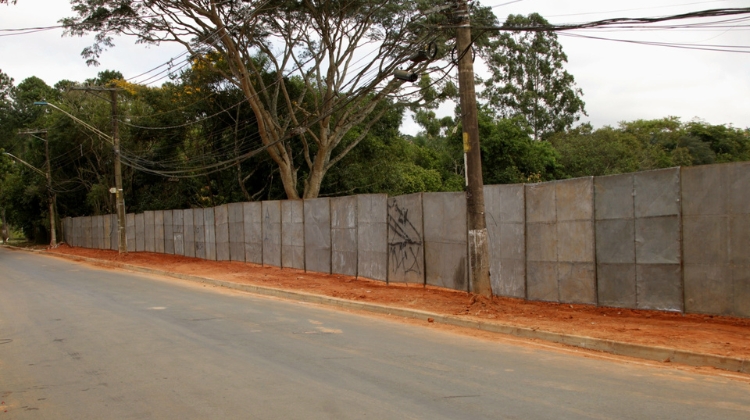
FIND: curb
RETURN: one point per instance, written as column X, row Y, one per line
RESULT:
column 659, row 354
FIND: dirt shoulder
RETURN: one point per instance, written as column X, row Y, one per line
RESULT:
column 706, row 334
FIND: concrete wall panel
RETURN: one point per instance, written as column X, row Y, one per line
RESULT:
column 221, row 220
column 659, row 286
column 658, row 242
column 540, row 199
column 505, row 210
column 97, row 232
column 614, row 197
column 741, row 291
column 252, row 216
column 199, row 227
column 236, row 232
column 716, row 238
column 575, row 199
column 179, row 231
column 271, row 233
column 293, row 234
column 159, row 231
column 168, row 216
column 616, row 285
column 150, row 241
column 130, row 231
column 541, row 281
column 88, row 232
column 78, row 228
column 405, row 239
column 107, row 229
column 140, row 232
column 657, row 193
column 372, row 236
column 577, row 282
column 561, row 239
column 445, row 238
column 344, row 235
column 318, row 235
column 615, row 241
column 209, row 223
column 575, row 241
column 541, row 242
column 115, row 235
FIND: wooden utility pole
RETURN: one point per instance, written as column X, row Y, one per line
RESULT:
column 122, row 240
column 122, row 244
column 50, row 194
column 478, row 238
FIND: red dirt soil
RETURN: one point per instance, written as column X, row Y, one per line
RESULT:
column 707, row 334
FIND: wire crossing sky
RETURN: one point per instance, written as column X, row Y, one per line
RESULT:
column 671, row 69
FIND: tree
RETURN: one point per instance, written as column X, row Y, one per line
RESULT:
column 528, row 78
column 310, row 70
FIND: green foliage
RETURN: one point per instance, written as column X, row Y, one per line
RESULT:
column 529, row 79
column 648, row 144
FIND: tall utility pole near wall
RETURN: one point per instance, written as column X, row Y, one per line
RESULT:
column 478, row 238
column 50, row 193
column 122, row 244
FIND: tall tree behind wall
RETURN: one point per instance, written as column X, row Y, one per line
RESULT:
column 528, row 78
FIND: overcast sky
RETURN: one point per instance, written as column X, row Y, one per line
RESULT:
column 620, row 81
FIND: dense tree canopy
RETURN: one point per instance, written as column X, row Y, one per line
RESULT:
column 310, row 70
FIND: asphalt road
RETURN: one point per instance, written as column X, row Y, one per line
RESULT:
column 83, row 343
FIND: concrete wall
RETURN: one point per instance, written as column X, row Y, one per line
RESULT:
column 252, row 215
column 199, row 227
column 615, row 240
column 140, row 232
column 236, row 232
column 178, row 231
column 318, row 235
column 505, row 210
column 560, row 261
column 150, row 240
column 115, row 233
column 344, row 235
column 188, row 219
column 372, row 236
column 445, row 240
column 672, row 239
column 405, row 239
column 271, row 233
column 107, row 229
column 96, row 232
column 168, row 216
column 87, row 232
column 716, row 238
column 130, row 231
column 159, row 231
column 221, row 223
column 293, row 234
column 658, row 250
column 209, row 223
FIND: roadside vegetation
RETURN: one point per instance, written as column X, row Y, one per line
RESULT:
column 196, row 140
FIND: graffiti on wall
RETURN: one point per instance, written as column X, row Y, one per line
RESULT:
column 405, row 243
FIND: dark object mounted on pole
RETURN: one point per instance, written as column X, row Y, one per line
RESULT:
column 406, row 75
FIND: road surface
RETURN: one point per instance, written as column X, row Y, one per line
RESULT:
column 77, row 342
